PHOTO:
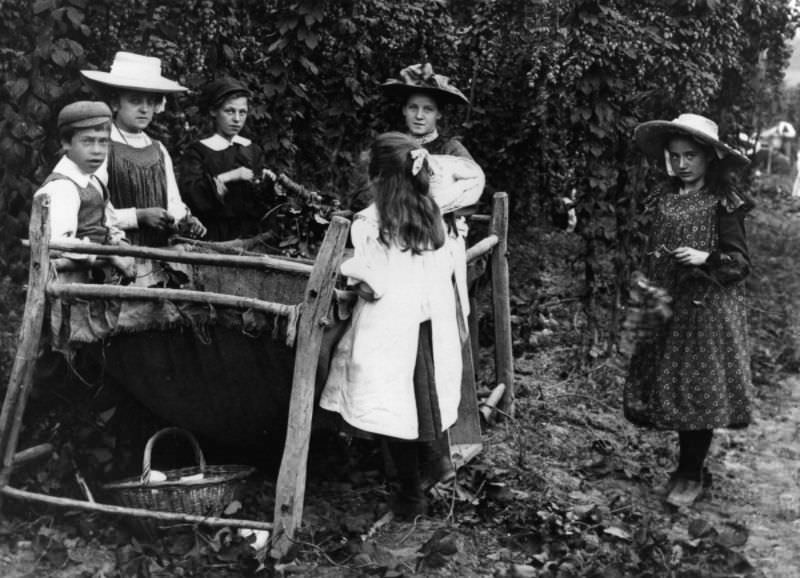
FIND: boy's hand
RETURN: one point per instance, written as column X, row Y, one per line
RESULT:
column 125, row 265
column 155, row 218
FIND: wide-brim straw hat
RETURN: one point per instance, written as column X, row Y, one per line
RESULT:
column 420, row 79
column 653, row 137
column 133, row 72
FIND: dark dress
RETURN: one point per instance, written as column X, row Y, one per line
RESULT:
column 694, row 374
column 137, row 178
column 238, row 213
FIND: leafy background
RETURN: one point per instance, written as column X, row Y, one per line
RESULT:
column 555, row 88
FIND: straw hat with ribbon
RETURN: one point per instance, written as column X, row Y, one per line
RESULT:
column 133, row 72
column 420, row 79
column 653, row 137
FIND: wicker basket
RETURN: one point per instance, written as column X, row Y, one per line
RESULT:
column 202, row 490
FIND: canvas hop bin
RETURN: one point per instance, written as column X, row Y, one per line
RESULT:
column 201, row 490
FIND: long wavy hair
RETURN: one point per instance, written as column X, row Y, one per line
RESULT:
column 408, row 215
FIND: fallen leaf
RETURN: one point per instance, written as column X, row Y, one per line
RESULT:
column 617, row 532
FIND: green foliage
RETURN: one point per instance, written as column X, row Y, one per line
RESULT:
column 556, row 88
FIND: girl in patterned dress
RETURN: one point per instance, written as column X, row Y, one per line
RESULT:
column 693, row 372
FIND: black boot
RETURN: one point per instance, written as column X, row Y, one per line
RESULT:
column 409, row 502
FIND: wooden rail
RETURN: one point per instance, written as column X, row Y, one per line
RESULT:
column 89, row 291
column 134, row 512
column 481, row 248
column 176, row 256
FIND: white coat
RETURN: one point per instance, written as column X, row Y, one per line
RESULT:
column 371, row 378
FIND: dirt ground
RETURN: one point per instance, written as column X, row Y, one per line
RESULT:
column 565, row 488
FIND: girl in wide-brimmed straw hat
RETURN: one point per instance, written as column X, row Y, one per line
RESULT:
column 692, row 372
column 219, row 175
column 140, row 174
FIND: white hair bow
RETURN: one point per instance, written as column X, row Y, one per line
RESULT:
column 419, row 155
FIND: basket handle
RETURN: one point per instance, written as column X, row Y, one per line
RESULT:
column 148, row 449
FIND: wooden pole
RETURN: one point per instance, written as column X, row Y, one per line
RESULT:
column 86, row 290
column 291, row 484
column 503, row 353
column 21, row 379
column 178, row 256
column 135, row 512
column 32, row 453
column 482, row 247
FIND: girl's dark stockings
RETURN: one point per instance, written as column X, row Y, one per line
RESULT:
column 410, row 500
column 694, row 447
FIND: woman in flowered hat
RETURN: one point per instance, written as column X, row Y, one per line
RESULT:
column 220, row 176
column 424, row 95
column 139, row 173
column 691, row 373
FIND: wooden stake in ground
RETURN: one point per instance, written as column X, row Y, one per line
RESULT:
column 21, row 380
column 503, row 354
column 290, row 490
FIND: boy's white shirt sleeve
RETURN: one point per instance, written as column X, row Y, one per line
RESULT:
column 64, row 205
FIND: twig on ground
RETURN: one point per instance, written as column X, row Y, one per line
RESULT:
column 411, row 531
column 321, row 551
column 589, row 398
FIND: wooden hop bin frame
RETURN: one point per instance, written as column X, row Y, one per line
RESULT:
column 313, row 318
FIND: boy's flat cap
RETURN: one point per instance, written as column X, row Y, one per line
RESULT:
column 84, row 113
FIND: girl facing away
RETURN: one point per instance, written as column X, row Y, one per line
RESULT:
column 396, row 373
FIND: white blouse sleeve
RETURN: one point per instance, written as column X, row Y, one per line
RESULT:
column 175, row 205
column 370, row 257
column 456, row 182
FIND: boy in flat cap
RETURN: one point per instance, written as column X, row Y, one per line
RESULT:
column 79, row 205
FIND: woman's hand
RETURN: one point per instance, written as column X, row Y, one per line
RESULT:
column 689, row 256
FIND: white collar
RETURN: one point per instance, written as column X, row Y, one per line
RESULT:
column 217, row 142
column 67, row 167
column 135, row 139
column 426, row 138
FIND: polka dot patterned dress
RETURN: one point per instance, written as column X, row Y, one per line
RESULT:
column 694, row 373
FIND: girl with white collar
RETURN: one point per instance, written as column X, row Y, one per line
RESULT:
column 219, row 174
